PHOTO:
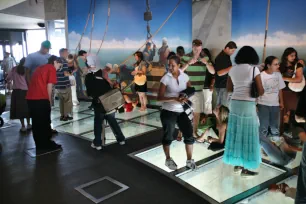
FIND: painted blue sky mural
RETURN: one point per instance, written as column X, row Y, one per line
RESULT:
column 127, row 28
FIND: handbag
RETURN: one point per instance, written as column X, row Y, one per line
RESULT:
column 112, row 100
column 254, row 91
column 297, row 87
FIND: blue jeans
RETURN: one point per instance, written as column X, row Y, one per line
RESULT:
column 301, row 185
column 274, row 153
column 269, row 120
column 98, row 121
column 222, row 97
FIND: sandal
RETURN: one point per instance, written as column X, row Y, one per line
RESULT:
column 278, row 187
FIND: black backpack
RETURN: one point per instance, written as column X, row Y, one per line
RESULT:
column 95, row 85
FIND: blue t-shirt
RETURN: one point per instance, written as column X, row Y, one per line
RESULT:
column 35, row 60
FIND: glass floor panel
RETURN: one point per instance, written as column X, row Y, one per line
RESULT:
column 156, row 156
column 76, row 109
column 128, row 129
column 76, row 116
column 293, row 164
column 55, row 114
column 152, row 119
column 78, row 127
column 274, row 197
column 90, row 112
column 134, row 114
column 218, row 181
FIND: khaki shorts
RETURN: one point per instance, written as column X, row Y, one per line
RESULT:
column 198, row 102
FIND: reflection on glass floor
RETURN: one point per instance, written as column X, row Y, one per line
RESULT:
column 274, row 197
column 293, row 164
column 128, row 129
column 134, row 114
column 156, row 156
column 218, row 181
column 76, row 116
column 152, row 119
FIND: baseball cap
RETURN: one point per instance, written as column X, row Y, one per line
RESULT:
column 109, row 65
column 46, row 44
column 197, row 42
column 54, row 58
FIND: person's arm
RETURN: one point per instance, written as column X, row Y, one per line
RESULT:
column 281, row 100
column 229, row 85
column 161, row 94
column 222, row 132
column 212, row 84
column 143, row 69
column 209, row 66
column 28, row 65
column 49, row 88
column 259, row 86
column 9, row 76
column 298, row 76
column 185, row 64
column 224, row 71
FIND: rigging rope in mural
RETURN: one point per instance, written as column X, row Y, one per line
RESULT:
column 106, row 28
column 162, row 25
column 92, row 25
column 88, row 16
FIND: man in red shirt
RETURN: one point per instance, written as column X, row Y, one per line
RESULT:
column 39, row 102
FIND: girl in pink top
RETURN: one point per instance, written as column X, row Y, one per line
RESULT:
column 19, row 106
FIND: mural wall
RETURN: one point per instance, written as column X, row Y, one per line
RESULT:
column 127, row 31
column 287, row 27
column 127, row 28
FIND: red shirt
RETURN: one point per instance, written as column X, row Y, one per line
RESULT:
column 43, row 75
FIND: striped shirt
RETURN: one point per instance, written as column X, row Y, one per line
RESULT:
column 196, row 72
column 62, row 80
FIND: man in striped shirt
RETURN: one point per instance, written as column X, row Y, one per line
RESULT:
column 63, row 87
column 196, row 66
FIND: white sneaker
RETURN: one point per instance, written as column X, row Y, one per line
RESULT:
column 96, row 147
column 191, row 164
column 122, row 143
column 23, row 129
column 29, row 127
column 171, row 164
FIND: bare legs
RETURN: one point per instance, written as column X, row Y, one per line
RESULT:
column 196, row 120
column 143, row 101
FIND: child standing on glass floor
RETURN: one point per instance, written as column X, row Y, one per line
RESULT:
column 75, row 101
column 270, row 104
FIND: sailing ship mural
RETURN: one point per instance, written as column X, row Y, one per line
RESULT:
column 112, row 31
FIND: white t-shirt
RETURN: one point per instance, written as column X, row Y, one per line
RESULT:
column 242, row 77
column 173, row 89
column 272, row 83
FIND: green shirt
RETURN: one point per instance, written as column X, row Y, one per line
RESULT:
column 196, row 72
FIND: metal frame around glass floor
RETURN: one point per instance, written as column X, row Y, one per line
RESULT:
column 236, row 198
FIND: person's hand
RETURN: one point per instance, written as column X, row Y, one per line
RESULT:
column 134, row 73
column 286, row 117
column 281, row 106
column 192, row 61
column 204, row 60
column 209, row 139
column 211, row 88
column 182, row 99
column 301, row 62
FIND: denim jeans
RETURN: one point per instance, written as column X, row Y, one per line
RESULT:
column 269, row 120
column 274, row 153
column 222, row 97
column 98, row 121
column 301, row 185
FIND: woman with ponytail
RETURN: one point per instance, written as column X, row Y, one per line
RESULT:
column 271, row 102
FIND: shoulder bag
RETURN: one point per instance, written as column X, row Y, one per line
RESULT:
column 297, row 87
column 254, row 91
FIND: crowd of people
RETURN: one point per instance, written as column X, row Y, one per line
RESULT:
column 258, row 106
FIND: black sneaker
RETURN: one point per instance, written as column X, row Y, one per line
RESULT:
column 69, row 118
column 237, row 169
column 248, row 174
column 62, row 118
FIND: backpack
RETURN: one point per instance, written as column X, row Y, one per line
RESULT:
column 96, row 85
